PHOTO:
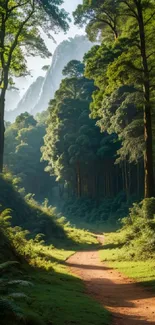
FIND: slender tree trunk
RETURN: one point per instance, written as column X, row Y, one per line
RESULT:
column 3, row 84
column 78, row 179
column 117, row 177
column 148, row 155
column 123, row 177
column 138, row 180
column 126, row 180
column 2, row 127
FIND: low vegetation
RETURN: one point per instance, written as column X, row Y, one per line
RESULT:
column 36, row 286
column 91, row 154
column 103, row 215
column 132, row 249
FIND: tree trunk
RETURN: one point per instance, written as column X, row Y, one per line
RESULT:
column 126, row 180
column 78, row 179
column 2, row 127
column 148, row 155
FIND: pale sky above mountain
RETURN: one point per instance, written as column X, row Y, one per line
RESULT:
column 35, row 64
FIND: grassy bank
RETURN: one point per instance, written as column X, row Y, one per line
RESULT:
column 58, row 297
column 122, row 256
column 131, row 250
column 53, row 295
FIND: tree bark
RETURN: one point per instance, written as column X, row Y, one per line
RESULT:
column 148, row 155
column 2, row 127
column 5, row 64
column 79, row 179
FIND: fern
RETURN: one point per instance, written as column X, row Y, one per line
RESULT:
column 18, row 295
column 10, row 313
column 5, row 217
column 21, row 283
column 7, row 265
column 6, row 213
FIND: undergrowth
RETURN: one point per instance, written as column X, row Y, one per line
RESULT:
column 55, row 296
column 27, row 213
column 132, row 248
column 101, row 215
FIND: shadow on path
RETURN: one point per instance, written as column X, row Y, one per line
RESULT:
column 129, row 303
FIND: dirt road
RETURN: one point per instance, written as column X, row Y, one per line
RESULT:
column 129, row 303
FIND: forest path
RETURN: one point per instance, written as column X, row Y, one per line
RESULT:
column 129, row 303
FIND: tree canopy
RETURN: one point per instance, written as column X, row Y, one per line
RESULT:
column 20, row 24
column 127, row 60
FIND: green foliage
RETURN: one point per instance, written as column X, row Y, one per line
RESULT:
column 22, row 155
column 100, row 18
column 75, row 150
column 46, row 282
column 74, row 69
column 7, row 265
column 136, row 240
column 118, row 70
column 25, row 20
column 27, row 213
column 99, row 214
column 10, row 312
column 148, row 207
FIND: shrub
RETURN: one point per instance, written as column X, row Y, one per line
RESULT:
column 148, row 208
column 10, row 313
column 27, row 213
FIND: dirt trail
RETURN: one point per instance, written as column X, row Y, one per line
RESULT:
column 129, row 303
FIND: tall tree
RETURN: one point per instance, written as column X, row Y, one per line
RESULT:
column 100, row 18
column 22, row 155
column 20, row 23
column 134, row 65
column 144, row 13
column 76, row 152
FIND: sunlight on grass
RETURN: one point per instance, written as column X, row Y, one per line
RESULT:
column 80, row 236
column 120, row 257
column 57, row 296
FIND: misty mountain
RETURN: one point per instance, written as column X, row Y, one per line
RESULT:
column 12, row 99
column 27, row 103
column 72, row 49
column 38, row 95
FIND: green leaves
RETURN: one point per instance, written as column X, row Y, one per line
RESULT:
column 69, row 141
column 20, row 23
column 100, row 18
column 22, row 153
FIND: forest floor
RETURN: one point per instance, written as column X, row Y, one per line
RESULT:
column 128, row 301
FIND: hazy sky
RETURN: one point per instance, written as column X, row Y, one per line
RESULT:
column 35, row 64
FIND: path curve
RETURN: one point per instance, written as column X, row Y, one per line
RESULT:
column 129, row 303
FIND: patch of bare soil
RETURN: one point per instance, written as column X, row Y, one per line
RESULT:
column 129, row 303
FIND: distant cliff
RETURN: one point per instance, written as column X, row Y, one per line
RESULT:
column 27, row 103
column 38, row 95
column 12, row 99
column 72, row 49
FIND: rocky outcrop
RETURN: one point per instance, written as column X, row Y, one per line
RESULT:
column 72, row 49
column 27, row 103
column 12, row 99
column 37, row 97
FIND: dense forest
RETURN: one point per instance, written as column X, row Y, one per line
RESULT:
column 80, row 145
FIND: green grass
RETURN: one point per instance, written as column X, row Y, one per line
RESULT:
column 118, row 256
column 80, row 237
column 95, row 227
column 58, row 297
